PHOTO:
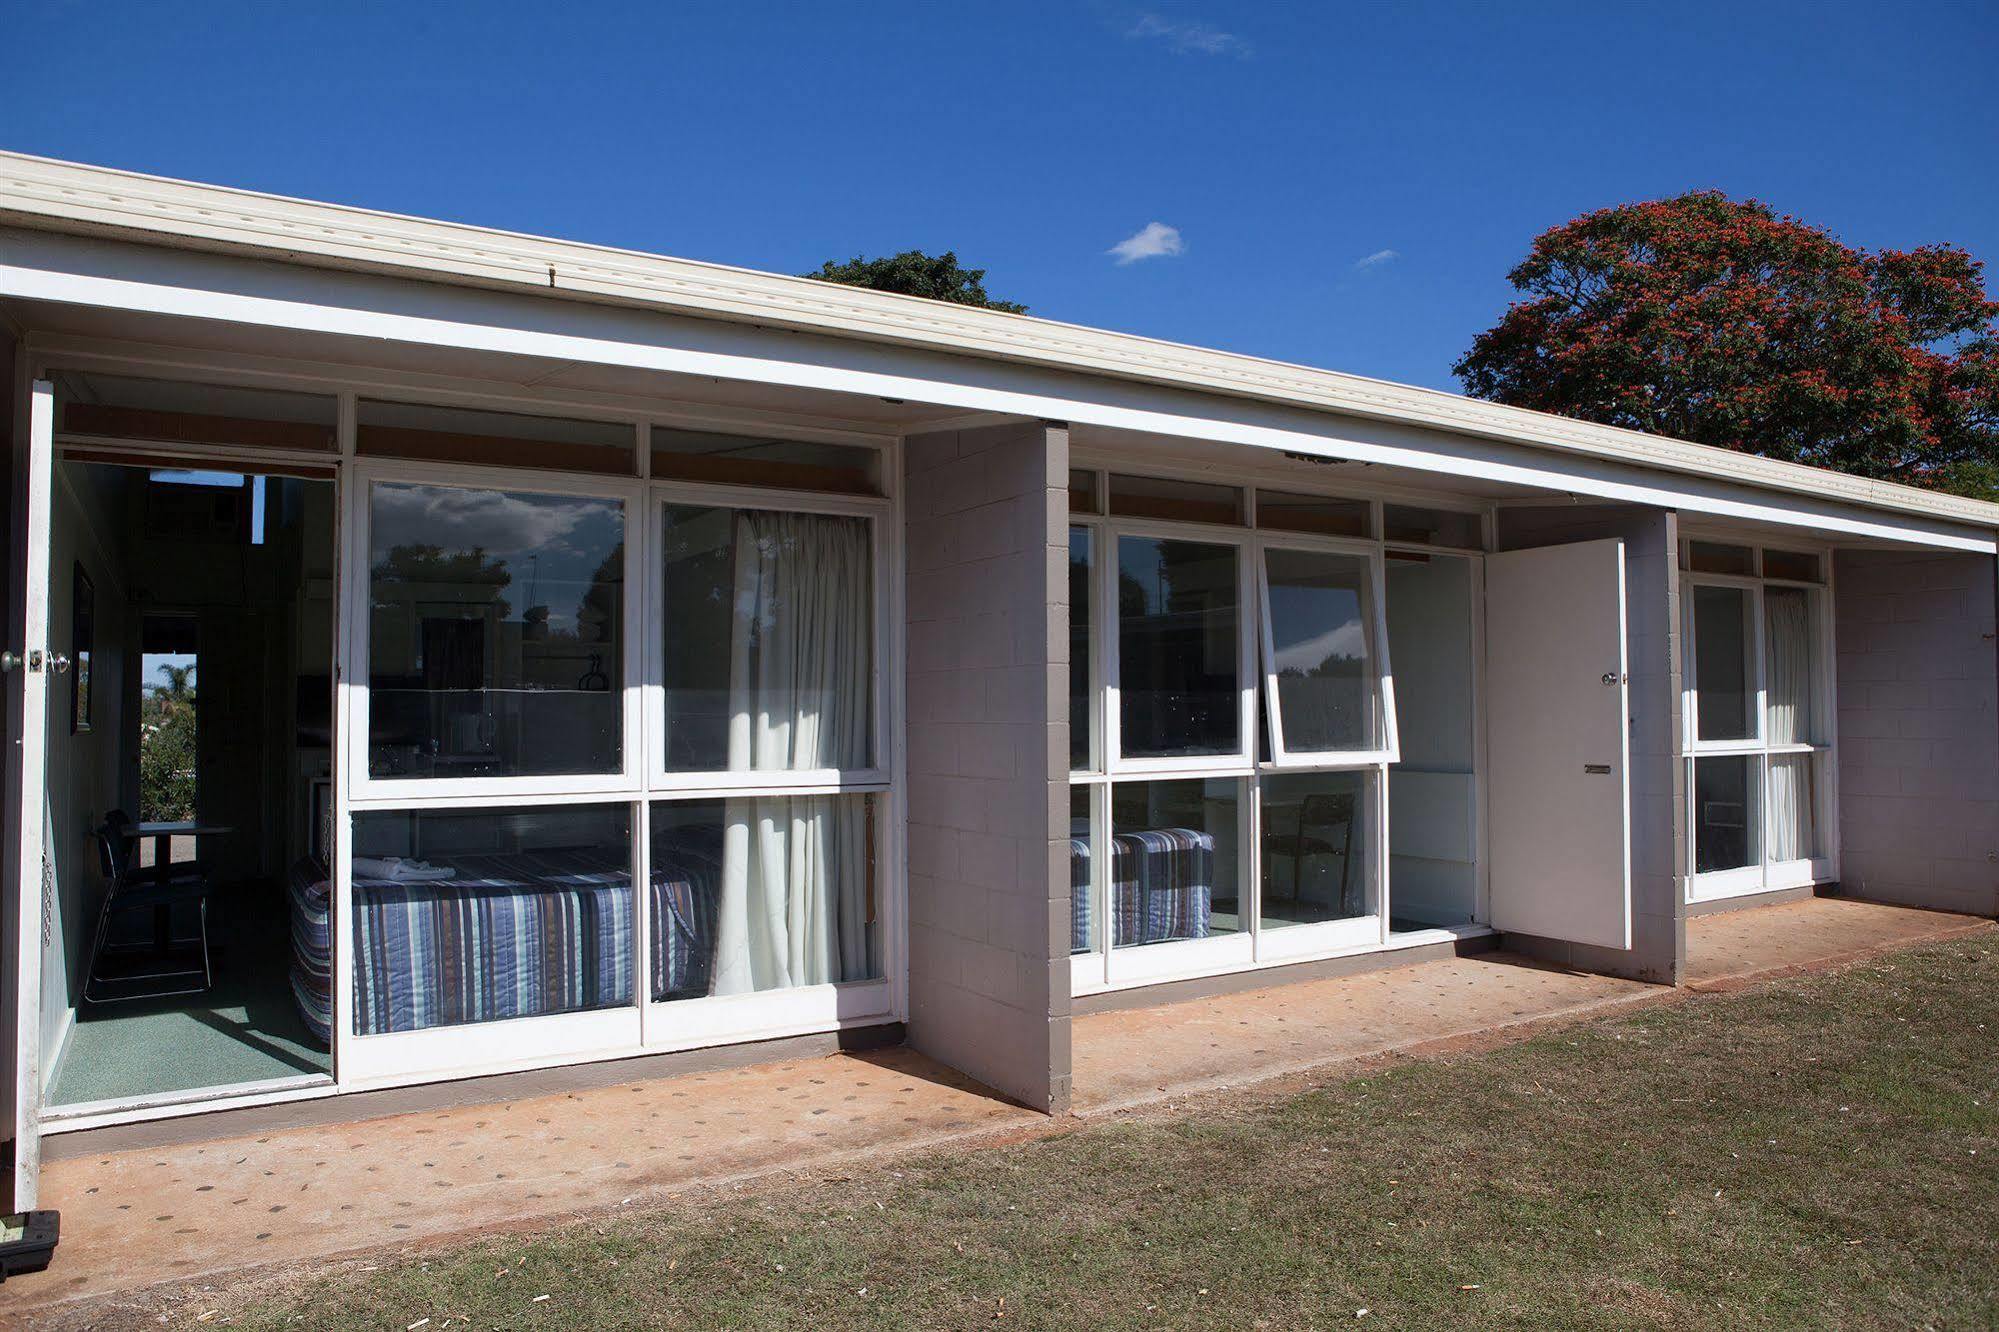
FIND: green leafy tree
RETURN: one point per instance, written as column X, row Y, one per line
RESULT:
column 167, row 747
column 914, row 273
column 1718, row 320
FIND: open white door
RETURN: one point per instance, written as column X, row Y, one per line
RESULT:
column 1558, row 743
column 27, row 675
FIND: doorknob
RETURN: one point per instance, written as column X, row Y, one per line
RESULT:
column 8, row 661
column 59, row 662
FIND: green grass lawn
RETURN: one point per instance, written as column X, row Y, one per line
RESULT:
column 1819, row 1152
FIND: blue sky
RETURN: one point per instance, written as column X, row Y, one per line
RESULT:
column 1346, row 184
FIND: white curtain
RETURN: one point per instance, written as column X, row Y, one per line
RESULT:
column 794, row 904
column 1787, row 644
column 1792, row 824
column 1787, row 618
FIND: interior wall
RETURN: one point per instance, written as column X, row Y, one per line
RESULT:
column 87, row 527
column 988, row 755
column 1658, row 949
column 1917, row 694
column 265, row 616
column 1433, row 790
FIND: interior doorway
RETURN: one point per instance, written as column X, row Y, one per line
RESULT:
column 189, row 768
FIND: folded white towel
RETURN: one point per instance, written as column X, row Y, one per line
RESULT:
column 399, row 869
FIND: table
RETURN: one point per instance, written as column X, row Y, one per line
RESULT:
column 162, row 833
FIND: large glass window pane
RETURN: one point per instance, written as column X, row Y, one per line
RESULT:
column 1724, row 663
column 1317, row 848
column 1173, row 860
column 497, row 439
column 1793, row 807
column 1082, row 717
column 1082, row 895
column 1727, row 831
column 768, row 638
column 482, row 915
column 1321, row 640
column 496, row 633
column 763, row 893
column 787, row 464
column 1789, row 643
column 1179, row 653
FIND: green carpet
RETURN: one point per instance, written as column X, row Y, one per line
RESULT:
column 246, row 1029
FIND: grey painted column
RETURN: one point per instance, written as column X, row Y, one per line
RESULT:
column 1658, row 796
column 988, row 755
column 1917, row 689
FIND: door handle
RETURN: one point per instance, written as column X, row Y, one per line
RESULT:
column 1612, row 679
column 59, row 662
column 8, row 661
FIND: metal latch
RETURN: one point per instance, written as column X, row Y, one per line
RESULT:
column 1597, row 769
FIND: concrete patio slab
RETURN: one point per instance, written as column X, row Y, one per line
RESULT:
column 1136, row 1056
column 139, row 1217
column 136, row 1218
column 1737, row 947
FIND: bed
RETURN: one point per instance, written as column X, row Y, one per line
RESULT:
column 1162, row 887
column 516, row 934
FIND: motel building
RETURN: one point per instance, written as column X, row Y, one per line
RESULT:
column 436, row 653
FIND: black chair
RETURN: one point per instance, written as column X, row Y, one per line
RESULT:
column 1337, row 809
column 158, row 888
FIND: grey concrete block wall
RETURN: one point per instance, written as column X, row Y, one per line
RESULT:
column 1658, row 780
column 988, row 755
column 1917, row 692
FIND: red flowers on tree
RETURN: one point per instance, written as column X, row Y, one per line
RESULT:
column 1721, row 321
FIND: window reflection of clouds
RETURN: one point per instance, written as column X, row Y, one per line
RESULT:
column 555, row 541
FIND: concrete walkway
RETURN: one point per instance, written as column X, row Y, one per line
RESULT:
column 135, row 1218
column 1738, row 947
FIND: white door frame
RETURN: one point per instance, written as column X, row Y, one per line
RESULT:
column 28, row 785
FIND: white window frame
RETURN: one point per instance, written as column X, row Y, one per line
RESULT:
column 1241, row 758
column 875, row 774
column 1766, row 875
column 367, row 790
column 1382, row 701
column 1106, row 967
column 683, row 1024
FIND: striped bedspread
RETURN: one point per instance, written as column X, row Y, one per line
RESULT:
column 1162, row 886
column 312, row 946
column 684, row 898
column 519, row 934
column 522, row 934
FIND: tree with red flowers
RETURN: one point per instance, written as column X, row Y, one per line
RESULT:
column 1717, row 320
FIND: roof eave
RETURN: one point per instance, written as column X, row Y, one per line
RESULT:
column 50, row 195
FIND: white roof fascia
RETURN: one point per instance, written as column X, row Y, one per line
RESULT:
column 50, row 195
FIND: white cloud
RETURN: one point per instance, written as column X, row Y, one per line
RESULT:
column 1308, row 654
column 1149, row 242
column 1376, row 260
column 1188, row 38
